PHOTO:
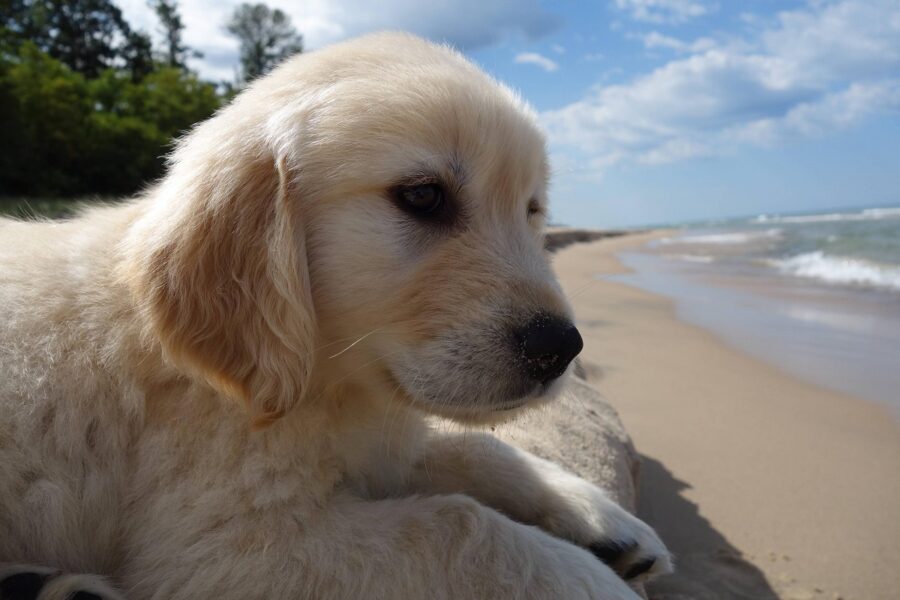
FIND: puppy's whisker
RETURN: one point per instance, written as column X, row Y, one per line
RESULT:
column 358, row 340
column 583, row 288
column 351, row 337
column 331, row 386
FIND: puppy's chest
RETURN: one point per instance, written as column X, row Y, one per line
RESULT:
column 376, row 465
column 377, row 477
column 296, row 465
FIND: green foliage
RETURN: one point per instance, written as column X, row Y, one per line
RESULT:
column 124, row 152
column 47, row 105
column 266, row 37
column 66, row 135
column 170, row 99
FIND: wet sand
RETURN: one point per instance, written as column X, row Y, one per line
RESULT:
column 763, row 485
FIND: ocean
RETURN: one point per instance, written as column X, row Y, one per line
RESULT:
column 816, row 295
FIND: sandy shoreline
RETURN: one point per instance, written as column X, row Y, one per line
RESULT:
column 763, row 485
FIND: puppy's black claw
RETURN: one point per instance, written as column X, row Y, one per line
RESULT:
column 615, row 554
column 639, row 568
column 610, row 551
column 85, row 596
column 22, row 586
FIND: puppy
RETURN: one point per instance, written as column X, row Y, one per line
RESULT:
column 220, row 389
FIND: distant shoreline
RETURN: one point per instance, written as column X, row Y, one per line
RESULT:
column 557, row 238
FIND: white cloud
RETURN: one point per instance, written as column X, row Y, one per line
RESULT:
column 664, row 11
column 810, row 72
column 533, row 58
column 834, row 111
column 466, row 24
column 654, row 40
column 848, row 39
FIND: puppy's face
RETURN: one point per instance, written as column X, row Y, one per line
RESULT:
column 423, row 201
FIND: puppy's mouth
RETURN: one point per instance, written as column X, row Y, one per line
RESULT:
column 478, row 405
column 540, row 393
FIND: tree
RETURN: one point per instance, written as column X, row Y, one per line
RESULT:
column 65, row 135
column 44, row 116
column 86, row 35
column 84, row 106
column 266, row 37
column 138, row 54
column 171, row 99
column 176, row 52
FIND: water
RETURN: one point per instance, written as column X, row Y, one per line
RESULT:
column 858, row 248
column 817, row 295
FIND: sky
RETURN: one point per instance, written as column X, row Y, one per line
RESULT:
column 657, row 111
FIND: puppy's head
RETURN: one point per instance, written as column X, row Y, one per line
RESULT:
column 393, row 196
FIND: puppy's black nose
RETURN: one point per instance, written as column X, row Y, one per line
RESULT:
column 548, row 344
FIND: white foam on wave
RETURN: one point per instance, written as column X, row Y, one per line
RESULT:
column 882, row 213
column 869, row 214
column 693, row 258
column 840, row 270
column 741, row 237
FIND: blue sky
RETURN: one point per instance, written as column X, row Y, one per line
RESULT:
column 659, row 110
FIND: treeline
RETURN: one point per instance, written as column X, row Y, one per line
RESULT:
column 90, row 105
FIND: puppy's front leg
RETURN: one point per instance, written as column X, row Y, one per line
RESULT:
column 535, row 491
column 440, row 547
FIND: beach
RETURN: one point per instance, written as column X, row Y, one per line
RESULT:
column 763, row 483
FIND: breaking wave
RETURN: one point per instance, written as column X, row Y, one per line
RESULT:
column 840, row 270
column 869, row 214
column 739, row 237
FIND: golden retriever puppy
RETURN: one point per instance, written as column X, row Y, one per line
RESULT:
column 220, row 389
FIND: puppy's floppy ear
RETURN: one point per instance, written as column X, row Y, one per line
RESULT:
column 225, row 284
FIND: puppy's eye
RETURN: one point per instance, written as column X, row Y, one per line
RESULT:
column 422, row 199
column 534, row 209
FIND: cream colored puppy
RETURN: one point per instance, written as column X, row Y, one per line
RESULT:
column 219, row 390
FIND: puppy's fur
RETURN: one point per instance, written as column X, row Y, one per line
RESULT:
column 218, row 390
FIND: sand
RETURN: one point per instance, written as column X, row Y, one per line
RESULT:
column 763, row 486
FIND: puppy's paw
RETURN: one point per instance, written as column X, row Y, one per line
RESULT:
column 625, row 543
column 632, row 560
column 586, row 516
column 30, row 582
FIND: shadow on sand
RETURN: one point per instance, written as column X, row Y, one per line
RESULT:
column 708, row 567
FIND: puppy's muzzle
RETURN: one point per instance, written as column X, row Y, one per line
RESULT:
column 547, row 344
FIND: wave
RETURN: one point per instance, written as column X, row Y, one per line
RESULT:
column 840, row 270
column 869, row 214
column 694, row 258
column 742, row 237
column 878, row 213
